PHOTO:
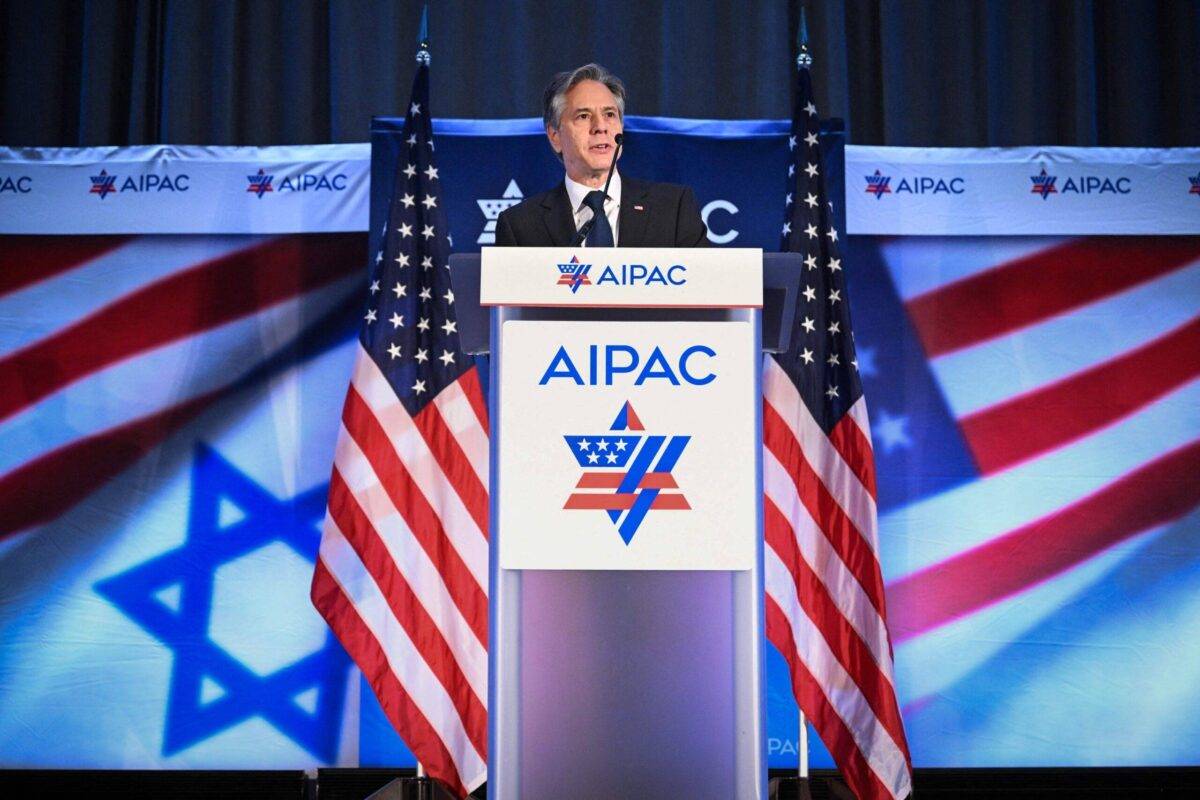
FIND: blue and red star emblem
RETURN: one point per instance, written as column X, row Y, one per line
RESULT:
column 102, row 184
column 627, row 473
column 1043, row 184
column 260, row 183
column 574, row 274
column 878, row 184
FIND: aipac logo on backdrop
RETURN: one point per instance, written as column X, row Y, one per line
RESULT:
column 574, row 274
column 1046, row 185
column 260, row 184
column 1195, row 181
column 880, row 184
column 103, row 184
column 1043, row 184
column 492, row 208
column 20, row 184
column 877, row 184
column 627, row 473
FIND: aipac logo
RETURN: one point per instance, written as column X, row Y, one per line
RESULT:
column 627, row 473
column 260, row 183
column 1195, row 181
column 103, row 184
column 21, row 184
column 1043, row 184
column 878, row 184
column 574, row 274
column 492, row 208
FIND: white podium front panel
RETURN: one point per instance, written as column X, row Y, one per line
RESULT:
column 616, row 277
column 633, row 446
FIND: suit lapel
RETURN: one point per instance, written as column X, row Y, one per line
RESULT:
column 558, row 216
column 635, row 213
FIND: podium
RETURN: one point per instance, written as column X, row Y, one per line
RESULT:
column 625, row 643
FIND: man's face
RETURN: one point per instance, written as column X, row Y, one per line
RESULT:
column 585, row 132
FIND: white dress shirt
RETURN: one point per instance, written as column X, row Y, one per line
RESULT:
column 612, row 203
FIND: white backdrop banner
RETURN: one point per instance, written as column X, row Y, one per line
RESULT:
column 1022, row 191
column 185, row 189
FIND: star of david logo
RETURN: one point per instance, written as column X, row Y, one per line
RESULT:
column 171, row 597
column 1043, row 184
column 879, row 184
column 574, row 274
column 492, row 207
column 260, row 183
column 102, row 184
column 627, row 473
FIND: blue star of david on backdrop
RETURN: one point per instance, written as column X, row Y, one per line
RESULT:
column 198, row 660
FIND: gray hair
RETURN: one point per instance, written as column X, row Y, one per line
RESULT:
column 554, row 101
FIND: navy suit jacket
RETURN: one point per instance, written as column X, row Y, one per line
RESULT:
column 652, row 215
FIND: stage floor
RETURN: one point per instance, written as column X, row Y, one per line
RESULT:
column 357, row 784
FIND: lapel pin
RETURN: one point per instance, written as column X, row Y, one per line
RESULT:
column 639, row 208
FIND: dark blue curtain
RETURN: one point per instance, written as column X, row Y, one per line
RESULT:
column 902, row 72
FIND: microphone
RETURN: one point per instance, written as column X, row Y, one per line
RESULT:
column 587, row 226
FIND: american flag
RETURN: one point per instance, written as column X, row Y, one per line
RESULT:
column 119, row 342
column 402, row 573
column 825, row 600
column 1048, row 435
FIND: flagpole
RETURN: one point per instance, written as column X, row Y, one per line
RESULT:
column 803, row 61
column 423, row 60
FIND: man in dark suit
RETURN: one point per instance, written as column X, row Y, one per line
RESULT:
column 583, row 111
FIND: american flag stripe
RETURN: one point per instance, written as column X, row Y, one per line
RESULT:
column 461, row 418
column 168, row 375
column 64, row 298
column 785, row 516
column 922, row 264
column 401, row 655
column 1029, row 492
column 819, row 472
column 437, row 495
column 178, row 306
column 1048, row 282
column 36, row 492
column 347, row 611
column 355, row 523
column 884, row 759
column 1161, row 491
column 1050, row 416
column 837, row 732
column 1070, row 343
column 414, row 497
column 26, row 260
column 857, row 660
column 446, row 449
column 411, row 562
column 852, row 442
column 468, row 384
column 792, row 425
column 848, row 541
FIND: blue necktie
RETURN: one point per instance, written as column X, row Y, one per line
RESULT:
column 601, row 234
